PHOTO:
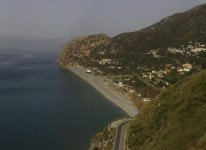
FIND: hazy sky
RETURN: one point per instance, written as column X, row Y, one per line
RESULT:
column 61, row 19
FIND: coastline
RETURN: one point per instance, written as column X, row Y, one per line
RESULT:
column 99, row 84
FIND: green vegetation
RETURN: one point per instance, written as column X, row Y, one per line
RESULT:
column 131, row 49
column 174, row 76
column 103, row 140
column 77, row 50
column 150, row 48
column 172, row 31
column 175, row 120
column 144, row 89
column 162, row 55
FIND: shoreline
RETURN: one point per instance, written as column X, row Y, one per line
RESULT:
column 100, row 85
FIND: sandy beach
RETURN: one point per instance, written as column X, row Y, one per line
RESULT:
column 99, row 84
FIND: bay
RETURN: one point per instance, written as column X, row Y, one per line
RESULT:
column 43, row 107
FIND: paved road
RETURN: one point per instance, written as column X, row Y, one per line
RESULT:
column 121, row 135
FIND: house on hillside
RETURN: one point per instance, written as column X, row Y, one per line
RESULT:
column 146, row 99
column 186, row 67
column 105, row 61
column 88, row 71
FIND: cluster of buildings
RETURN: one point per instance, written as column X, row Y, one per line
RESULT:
column 105, row 61
column 131, row 90
column 153, row 74
column 156, row 76
column 184, row 68
column 192, row 49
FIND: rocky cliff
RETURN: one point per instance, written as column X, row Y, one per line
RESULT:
column 78, row 49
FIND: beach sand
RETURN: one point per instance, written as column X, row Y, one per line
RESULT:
column 103, row 87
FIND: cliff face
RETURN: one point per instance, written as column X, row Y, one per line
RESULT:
column 77, row 50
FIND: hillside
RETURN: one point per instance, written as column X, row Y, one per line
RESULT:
column 174, row 40
column 167, row 57
column 177, row 31
column 80, row 48
column 148, row 60
column 174, row 120
column 172, row 31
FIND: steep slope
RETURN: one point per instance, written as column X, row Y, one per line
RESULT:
column 172, row 31
column 174, row 120
column 178, row 31
column 79, row 49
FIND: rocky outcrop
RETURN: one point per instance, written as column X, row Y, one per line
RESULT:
column 103, row 140
column 77, row 50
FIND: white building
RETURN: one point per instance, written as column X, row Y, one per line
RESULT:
column 105, row 61
column 187, row 67
column 88, row 71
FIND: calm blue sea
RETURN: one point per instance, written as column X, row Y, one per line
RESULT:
column 45, row 108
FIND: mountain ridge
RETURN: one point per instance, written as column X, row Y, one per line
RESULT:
column 157, row 54
column 158, row 26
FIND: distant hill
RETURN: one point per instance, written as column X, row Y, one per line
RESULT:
column 175, row 120
column 172, row 31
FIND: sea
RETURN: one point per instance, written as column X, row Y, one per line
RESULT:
column 43, row 107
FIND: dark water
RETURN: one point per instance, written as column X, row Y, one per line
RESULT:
column 45, row 108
